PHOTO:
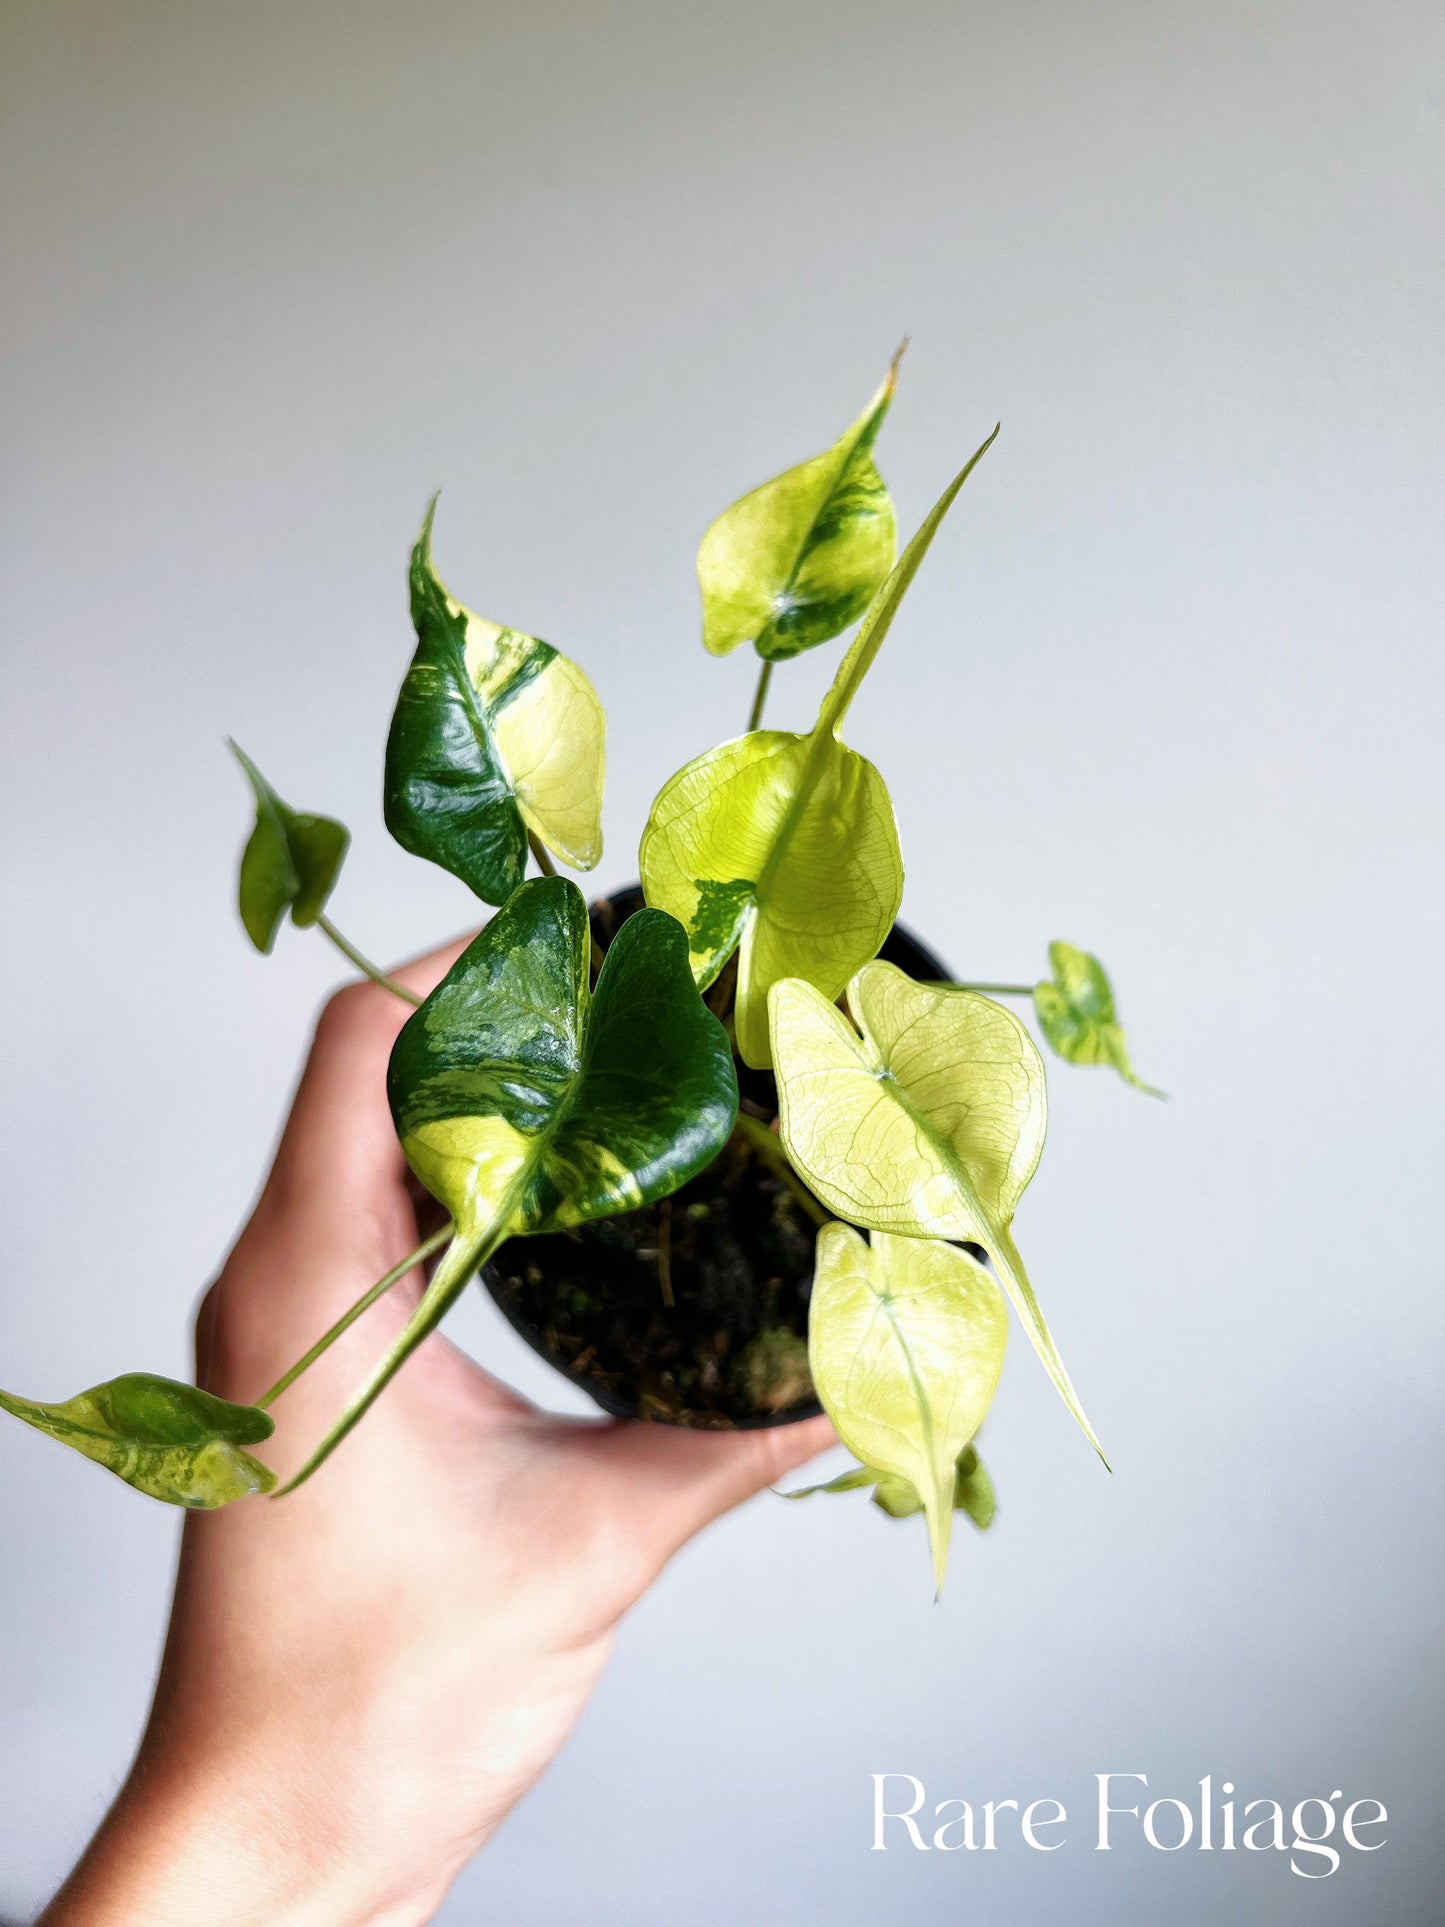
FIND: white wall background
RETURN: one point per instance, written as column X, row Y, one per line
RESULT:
column 1169, row 685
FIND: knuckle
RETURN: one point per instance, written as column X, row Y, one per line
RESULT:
column 350, row 1012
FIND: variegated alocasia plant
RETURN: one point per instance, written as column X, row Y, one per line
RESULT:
column 534, row 1091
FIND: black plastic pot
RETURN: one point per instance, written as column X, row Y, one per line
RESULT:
column 693, row 1312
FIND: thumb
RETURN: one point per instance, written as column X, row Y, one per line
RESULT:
column 679, row 1481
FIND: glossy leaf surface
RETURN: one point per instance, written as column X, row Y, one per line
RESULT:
column 168, row 1440
column 1076, row 1014
column 798, row 560
column 290, row 862
column 929, row 1124
column 784, row 846
column 494, row 734
column 525, row 1103
column 906, row 1342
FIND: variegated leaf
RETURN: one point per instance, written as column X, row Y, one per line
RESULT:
column 928, row 1124
column 495, row 734
column 784, row 846
column 798, row 560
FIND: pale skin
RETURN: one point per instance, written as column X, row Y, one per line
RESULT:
column 363, row 1678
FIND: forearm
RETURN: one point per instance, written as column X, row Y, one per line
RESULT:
column 228, row 1850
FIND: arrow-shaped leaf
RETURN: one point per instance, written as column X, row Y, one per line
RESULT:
column 1076, row 1014
column 930, row 1124
column 526, row 1104
column 906, row 1341
column 785, row 845
column 168, row 1440
column 290, row 862
column 495, row 734
column 799, row 559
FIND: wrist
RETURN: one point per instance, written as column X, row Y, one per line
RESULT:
column 232, row 1848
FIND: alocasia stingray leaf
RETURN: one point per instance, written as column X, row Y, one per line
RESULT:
column 290, row 862
column 168, row 1440
column 526, row 1103
column 495, row 734
column 799, row 559
column 784, row 846
column 1076, row 1014
column 929, row 1124
column 906, row 1341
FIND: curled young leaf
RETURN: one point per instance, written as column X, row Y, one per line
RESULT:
column 526, row 1103
column 783, row 846
column 800, row 558
column 906, row 1342
column 290, row 862
column 972, row 1489
column 168, row 1440
column 1076, row 1014
column 929, row 1124
column 494, row 735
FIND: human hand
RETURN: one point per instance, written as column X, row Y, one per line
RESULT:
column 361, row 1679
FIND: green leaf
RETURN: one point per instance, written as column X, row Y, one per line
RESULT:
column 783, row 846
column 526, row 1104
column 930, row 1124
column 799, row 559
column 906, row 1341
column 1076, row 1014
column 898, row 1497
column 495, row 734
column 168, row 1440
column 973, row 1490
column 290, row 862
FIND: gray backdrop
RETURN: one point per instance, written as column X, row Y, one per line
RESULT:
column 1169, row 686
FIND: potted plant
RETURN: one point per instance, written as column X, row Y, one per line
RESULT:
column 659, row 1130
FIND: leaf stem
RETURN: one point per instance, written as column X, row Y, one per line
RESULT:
column 760, row 694
column 998, row 990
column 465, row 1255
column 664, row 1252
column 540, row 851
column 347, row 1319
column 767, row 1145
column 365, row 965
column 869, row 639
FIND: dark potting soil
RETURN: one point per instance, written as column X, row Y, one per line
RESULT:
column 693, row 1311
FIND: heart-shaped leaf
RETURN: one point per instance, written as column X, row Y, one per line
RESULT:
column 290, row 862
column 525, row 1103
column 930, row 1124
column 495, row 734
column 784, row 846
column 799, row 559
column 168, row 1440
column 1076, row 1014
column 906, row 1342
